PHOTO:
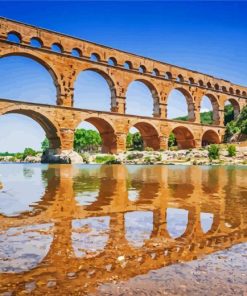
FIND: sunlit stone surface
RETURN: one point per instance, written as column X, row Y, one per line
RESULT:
column 84, row 229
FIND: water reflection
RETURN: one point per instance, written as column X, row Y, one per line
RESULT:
column 84, row 225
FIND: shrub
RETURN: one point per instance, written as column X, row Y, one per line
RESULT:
column 147, row 159
column 158, row 158
column 149, row 149
column 28, row 152
column 213, row 151
column 231, row 150
column 104, row 159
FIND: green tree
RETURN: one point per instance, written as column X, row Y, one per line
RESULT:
column 213, row 151
column 172, row 140
column 28, row 152
column 137, row 142
column 229, row 114
column 87, row 140
column 231, row 150
column 45, row 144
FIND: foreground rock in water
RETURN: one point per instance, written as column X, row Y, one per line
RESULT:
column 65, row 157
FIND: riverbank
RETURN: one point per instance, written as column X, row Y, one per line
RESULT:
column 168, row 157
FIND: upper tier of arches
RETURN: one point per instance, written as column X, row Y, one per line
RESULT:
column 80, row 49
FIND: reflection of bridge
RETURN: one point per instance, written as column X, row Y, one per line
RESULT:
column 156, row 195
column 119, row 69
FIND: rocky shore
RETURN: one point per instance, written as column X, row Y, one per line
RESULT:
column 168, row 157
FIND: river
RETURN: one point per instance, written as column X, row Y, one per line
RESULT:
column 123, row 230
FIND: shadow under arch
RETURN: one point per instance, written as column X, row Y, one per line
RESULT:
column 40, row 61
column 149, row 133
column 50, row 129
column 107, row 133
column 107, row 78
column 236, row 109
column 153, row 91
column 189, row 101
column 210, row 137
column 184, row 137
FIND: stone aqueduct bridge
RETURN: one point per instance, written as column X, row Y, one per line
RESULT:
column 119, row 69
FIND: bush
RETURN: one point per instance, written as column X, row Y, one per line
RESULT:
column 213, row 151
column 149, row 149
column 231, row 150
column 28, row 152
column 105, row 159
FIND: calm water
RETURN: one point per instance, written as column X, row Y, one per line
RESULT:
column 75, row 230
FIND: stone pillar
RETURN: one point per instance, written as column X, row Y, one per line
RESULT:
column 197, row 117
column 221, row 118
column 160, row 110
column 120, row 142
column 163, row 143
column 118, row 105
column 67, row 138
column 65, row 86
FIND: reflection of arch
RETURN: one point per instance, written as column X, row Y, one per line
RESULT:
column 215, row 106
column 184, row 137
column 189, row 100
column 50, row 129
column 107, row 133
column 41, row 62
column 153, row 91
column 106, row 77
column 210, row 137
column 149, row 135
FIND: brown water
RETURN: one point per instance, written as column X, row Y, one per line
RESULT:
column 123, row 230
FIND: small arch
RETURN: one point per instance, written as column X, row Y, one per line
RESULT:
column 201, row 83
column 184, row 137
column 244, row 93
column 224, row 89
column 180, row 78
column 231, row 91
column 142, row 69
column 112, row 62
column 209, row 85
column 149, row 134
column 155, row 72
column 14, row 37
column 168, row 75
column 95, row 57
column 128, row 65
column 238, row 92
column 191, row 80
column 216, row 86
column 107, row 133
column 56, row 47
column 76, row 52
column 210, row 137
column 36, row 42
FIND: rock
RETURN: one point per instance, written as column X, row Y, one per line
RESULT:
column 65, row 157
column 33, row 159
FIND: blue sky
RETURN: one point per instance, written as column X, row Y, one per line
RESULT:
column 209, row 37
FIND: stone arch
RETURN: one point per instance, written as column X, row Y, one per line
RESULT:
column 236, row 106
column 107, row 78
column 184, row 137
column 36, row 42
column 16, row 35
column 154, row 94
column 50, row 129
column 149, row 133
column 210, row 137
column 215, row 107
column 43, row 63
column 189, row 101
column 107, row 133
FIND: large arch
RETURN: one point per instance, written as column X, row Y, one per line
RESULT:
column 107, row 133
column 97, row 84
column 50, row 129
column 173, row 94
column 215, row 107
column 142, row 87
column 149, row 134
column 210, row 137
column 41, row 62
column 231, row 113
column 184, row 137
